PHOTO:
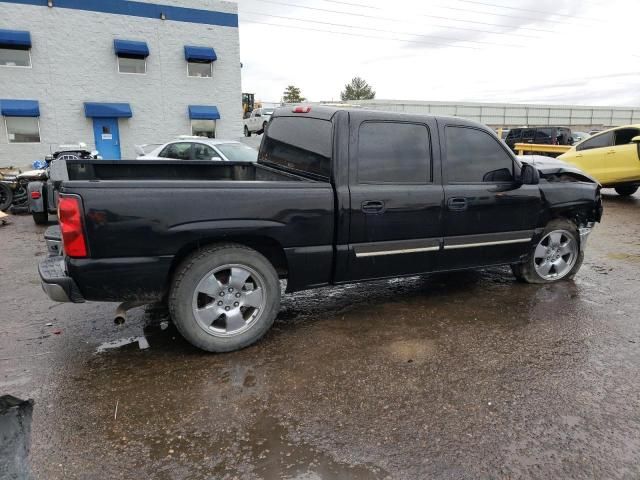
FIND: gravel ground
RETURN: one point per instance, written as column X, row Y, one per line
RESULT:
column 469, row 375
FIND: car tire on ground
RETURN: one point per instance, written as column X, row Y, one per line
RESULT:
column 40, row 218
column 626, row 191
column 247, row 132
column 224, row 297
column 556, row 256
column 6, row 197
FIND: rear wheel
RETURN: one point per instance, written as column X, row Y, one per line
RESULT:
column 40, row 218
column 6, row 197
column 247, row 132
column 224, row 297
column 557, row 256
column 625, row 191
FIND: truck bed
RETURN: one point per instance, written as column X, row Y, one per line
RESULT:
column 141, row 216
column 175, row 170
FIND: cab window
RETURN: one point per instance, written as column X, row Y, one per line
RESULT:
column 474, row 156
column 598, row 141
column 624, row 135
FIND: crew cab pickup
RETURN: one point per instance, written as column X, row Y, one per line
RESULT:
column 337, row 196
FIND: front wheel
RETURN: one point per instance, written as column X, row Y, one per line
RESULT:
column 224, row 297
column 557, row 256
column 247, row 132
column 626, row 191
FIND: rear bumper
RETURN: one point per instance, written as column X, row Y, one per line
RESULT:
column 56, row 283
column 53, row 237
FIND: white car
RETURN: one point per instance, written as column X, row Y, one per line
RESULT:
column 257, row 120
column 201, row 148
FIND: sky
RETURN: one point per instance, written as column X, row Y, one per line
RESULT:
column 526, row 51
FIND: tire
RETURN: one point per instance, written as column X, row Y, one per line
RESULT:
column 6, row 197
column 560, row 235
column 40, row 218
column 626, row 191
column 247, row 132
column 220, row 271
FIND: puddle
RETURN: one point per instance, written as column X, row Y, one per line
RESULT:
column 274, row 454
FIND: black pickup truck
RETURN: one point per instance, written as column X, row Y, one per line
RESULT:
column 337, row 196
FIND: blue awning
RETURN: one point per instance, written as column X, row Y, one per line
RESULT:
column 18, row 39
column 20, row 108
column 203, row 112
column 107, row 110
column 129, row 48
column 200, row 54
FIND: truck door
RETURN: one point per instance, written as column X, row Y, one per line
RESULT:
column 489, row 217
column 395, row 196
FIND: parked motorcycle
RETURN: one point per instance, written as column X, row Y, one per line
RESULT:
column 13, row 189
column 43, row 194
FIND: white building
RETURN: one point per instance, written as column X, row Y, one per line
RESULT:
column 115, row 73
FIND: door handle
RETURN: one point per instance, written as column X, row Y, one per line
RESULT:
column 611, row 152
column 457, row 204
column 373, row 206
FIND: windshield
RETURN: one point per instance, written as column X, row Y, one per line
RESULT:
column 238, row 152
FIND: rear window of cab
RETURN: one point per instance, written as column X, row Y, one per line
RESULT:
column 299, row 144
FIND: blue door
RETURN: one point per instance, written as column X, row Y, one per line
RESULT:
column 107, row 136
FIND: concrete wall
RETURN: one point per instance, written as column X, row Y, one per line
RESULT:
column 514, row 115
column 73, row 62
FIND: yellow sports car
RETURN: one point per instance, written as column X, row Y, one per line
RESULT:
column 612, row 157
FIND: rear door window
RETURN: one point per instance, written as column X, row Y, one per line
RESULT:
column 514, row 135
column 204, row 152
column 528, row 134
column 177, row 151
column 299, row 144
column 544, row 135
column 394, row 152
column 474, row 156
column 597, row 141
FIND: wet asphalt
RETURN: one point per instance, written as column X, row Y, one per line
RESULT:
column 460, row 376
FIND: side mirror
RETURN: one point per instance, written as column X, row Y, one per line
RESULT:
column 258, row 114
column 636, row 139
column 529, row 175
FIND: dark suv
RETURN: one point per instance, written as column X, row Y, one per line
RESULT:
column 540, row 136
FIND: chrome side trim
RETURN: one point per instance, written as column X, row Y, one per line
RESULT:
column 486, row 244
column 397, row 252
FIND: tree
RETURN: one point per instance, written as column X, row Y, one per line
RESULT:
column 292, row 95
column 357, row 89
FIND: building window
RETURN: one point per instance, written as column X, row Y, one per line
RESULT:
column 10, row 57
column 132, row 65
column 23, row 129
column 203, row 128
column 198, row 69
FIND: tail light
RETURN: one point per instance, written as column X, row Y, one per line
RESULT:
column 35, row 195
column 70, row 217
column 302, row 109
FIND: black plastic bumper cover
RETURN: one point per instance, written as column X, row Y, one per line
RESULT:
column 56, row 283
